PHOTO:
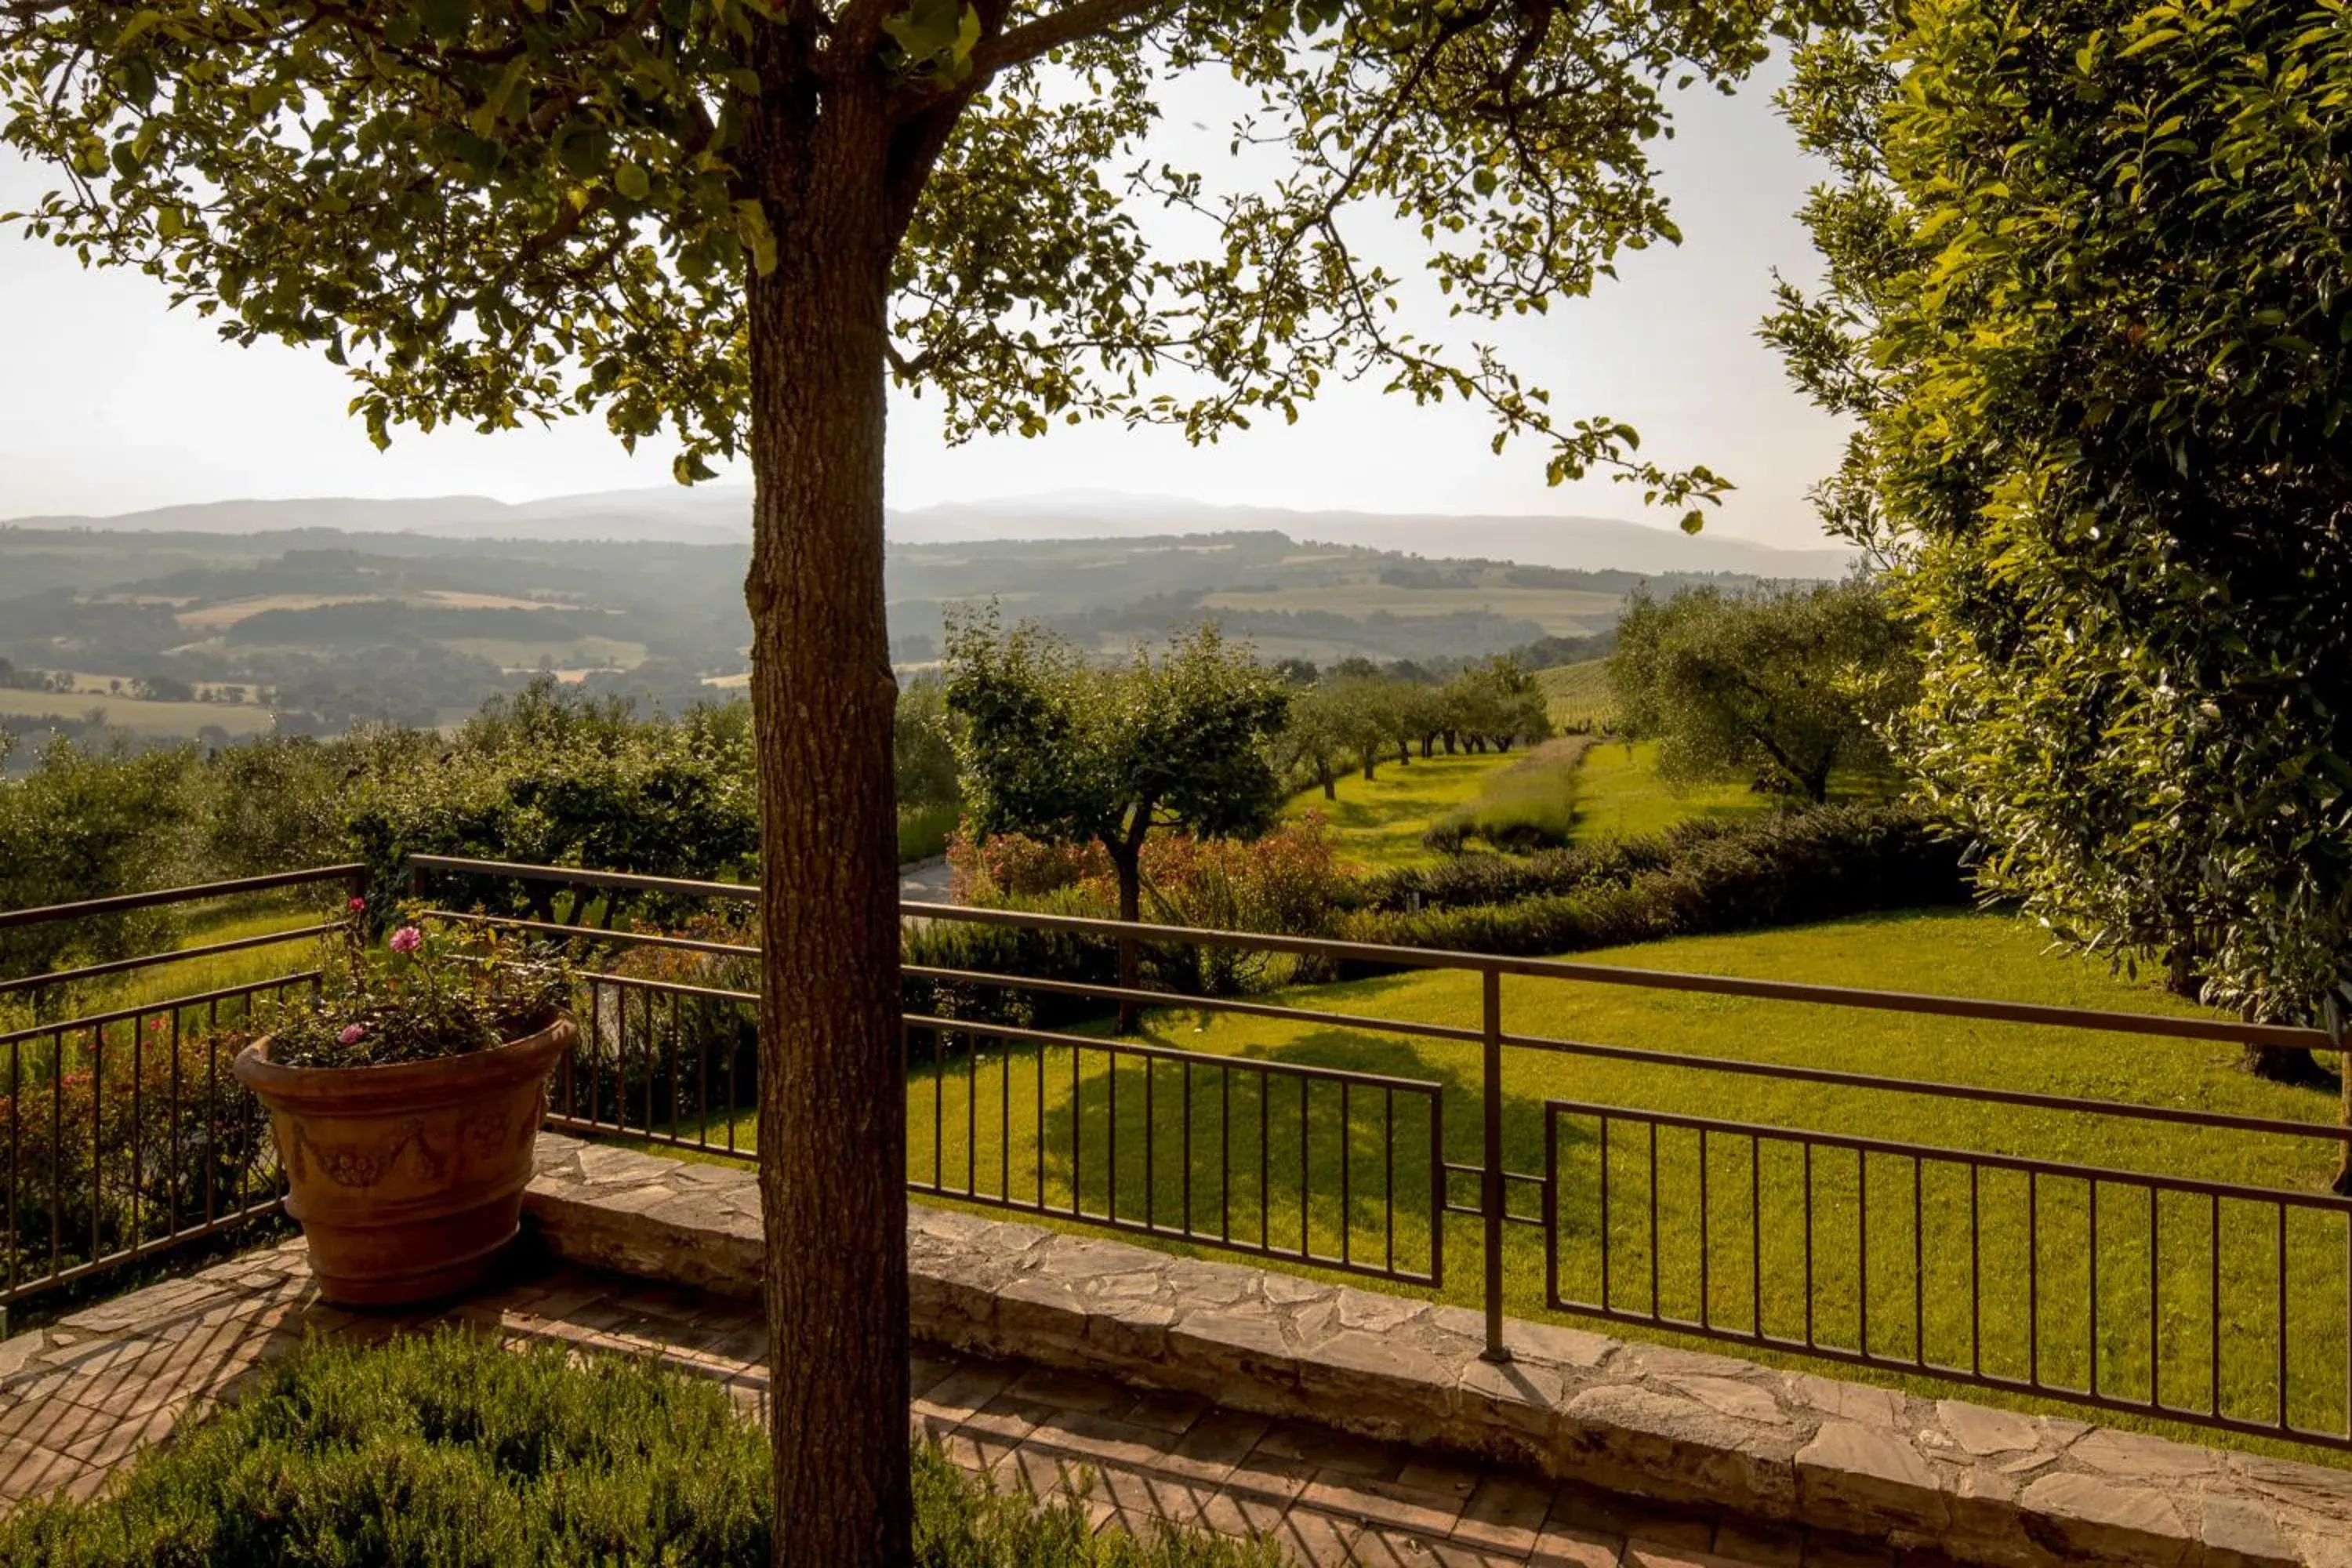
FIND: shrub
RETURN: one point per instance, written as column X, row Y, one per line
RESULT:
column 113, row 1144
column 445, row 1449
column 1789, row 869
column 1530, row 805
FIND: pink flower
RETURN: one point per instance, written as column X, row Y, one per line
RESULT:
column 407, row 939
column 356, row 905
column 351, row 1033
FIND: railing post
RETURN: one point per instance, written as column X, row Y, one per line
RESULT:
column 1490, row 1186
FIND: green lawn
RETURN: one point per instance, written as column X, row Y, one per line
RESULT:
column 1024, row 1122
column 1378, row 824
column 1620, row 791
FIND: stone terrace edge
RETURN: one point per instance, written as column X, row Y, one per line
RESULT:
column 1982, row 1485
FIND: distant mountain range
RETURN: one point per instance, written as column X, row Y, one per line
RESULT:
column 720, row 514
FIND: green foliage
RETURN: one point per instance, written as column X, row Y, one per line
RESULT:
column 923, row 753
column 446, row 1450
column 1789, row 869
column 1578, row 697
column 1531, row 805
column 85, row 825
column 1780, row 686
column 493, row 214
column 2087, row 299
column 1073, row 752
column 433, row 991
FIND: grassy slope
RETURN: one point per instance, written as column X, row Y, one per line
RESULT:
column 974, row 1101
column 1579, row 694
column 1379, row 825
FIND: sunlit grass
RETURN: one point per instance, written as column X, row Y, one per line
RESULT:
column 1378, row 823
column 1015, row 1124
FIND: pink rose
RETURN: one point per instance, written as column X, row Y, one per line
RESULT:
column 351, row 1033
column 356, row 905
column 407, row 939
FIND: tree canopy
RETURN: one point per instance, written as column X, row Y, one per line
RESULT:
column 2087, row 267
column 1778, row 687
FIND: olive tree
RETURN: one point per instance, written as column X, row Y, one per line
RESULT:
column 2088, row 304
column 1778, row 685
column 1071, row 751
column 730, row 226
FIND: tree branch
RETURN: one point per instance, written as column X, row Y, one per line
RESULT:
column 1078, row 20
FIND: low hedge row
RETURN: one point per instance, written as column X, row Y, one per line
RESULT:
column 1788, row 868
column 445, row 1451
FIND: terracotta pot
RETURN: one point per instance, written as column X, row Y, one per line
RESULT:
column 407, row 1179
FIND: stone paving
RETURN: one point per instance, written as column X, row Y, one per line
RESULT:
column 84, row 1395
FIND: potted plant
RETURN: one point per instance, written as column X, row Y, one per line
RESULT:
column 404, row 1098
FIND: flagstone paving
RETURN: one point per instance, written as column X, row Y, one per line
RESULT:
column 83, row 1397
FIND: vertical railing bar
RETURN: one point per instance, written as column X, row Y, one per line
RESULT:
column 595, row 1044
column 1004, row 1118
column 1264, row 1164
column 1490, row 1199
column 1976, row 1274
column 1346, row 1148
column 1077, row 1120
column 2154, row 1316
column 2091, row 1277
column 212, row 1109
column 2213, row 1301
column 1306, row 1168
column 138, row 1120
column 1705, row 1282
column 1655, row 1308
column 2282, row 1316
column 1918, row 1264
column 1551, row 1205
column 1224, row 1151
column 939, row 1107
column 1756, row 1236
column 1435, row 1100
column 1387, row 1176
column 1110, row 1143
column 734, row 1094
column 1862, row 1249
column 1150, row 1148
column 1185, row 1175
column 972, row 1114
column 2034, row 1278
column 58, row 1151
column 1809, row 1242
column 98, row 1136
column 16, row 1155
column 172, row 1201
column 1039, row 1138
column 703, row 1073
column 1608, row 1231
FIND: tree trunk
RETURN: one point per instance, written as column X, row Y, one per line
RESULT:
column 1128, row 861
column 1405, row 753
column 832, row 1100
column 1372, row 763
column 2299, row 1069
column 1324, row 776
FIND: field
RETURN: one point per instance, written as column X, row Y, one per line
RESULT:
column 1562, row 612
column 1378, row 824
column 1578, row 695
column 580, row 653
column 139, row 716
column 1620, row 791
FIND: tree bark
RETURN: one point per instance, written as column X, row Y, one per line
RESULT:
column 832, row 1090
column 1331, row 784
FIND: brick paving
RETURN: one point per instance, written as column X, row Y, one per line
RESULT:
column 84, row 1395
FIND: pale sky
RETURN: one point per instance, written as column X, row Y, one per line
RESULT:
column 109, row 403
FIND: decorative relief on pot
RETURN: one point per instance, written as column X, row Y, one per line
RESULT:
column 360, row 1164
column 484, row 1135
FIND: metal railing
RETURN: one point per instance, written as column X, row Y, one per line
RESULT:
column 2163, row 1293
column 1383, row 1146
column 122, row 1132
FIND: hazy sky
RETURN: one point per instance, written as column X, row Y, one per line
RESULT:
column 109, row 403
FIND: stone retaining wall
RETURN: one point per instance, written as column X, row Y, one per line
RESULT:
column 1984, row 1485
